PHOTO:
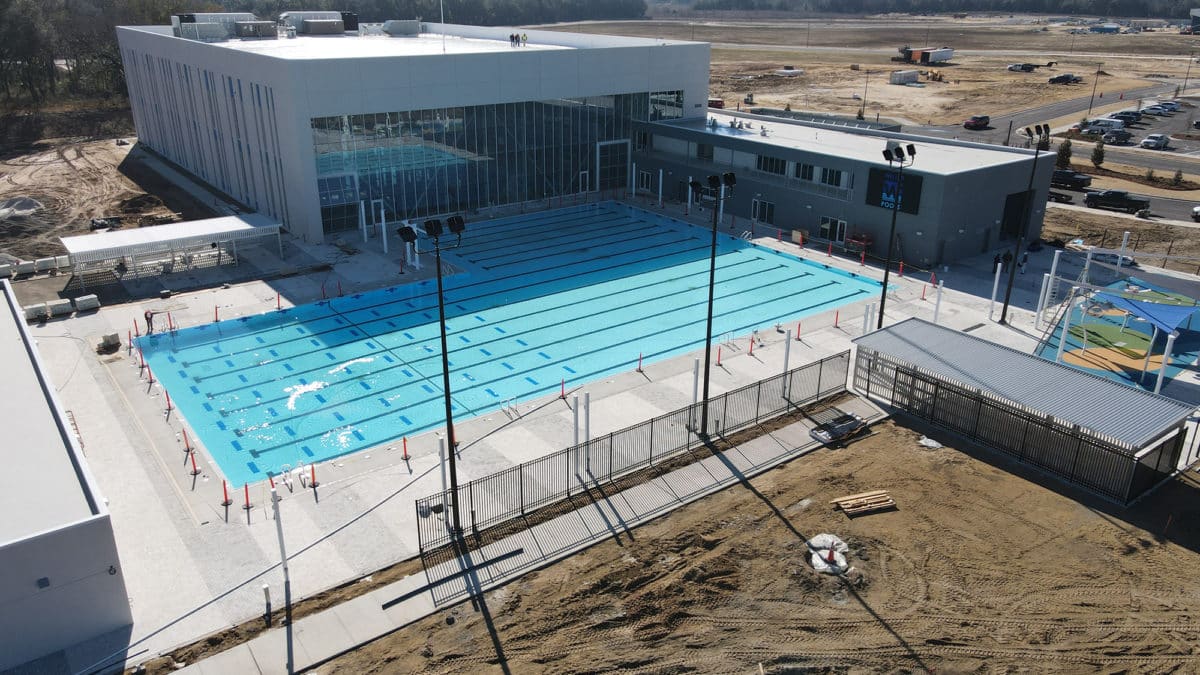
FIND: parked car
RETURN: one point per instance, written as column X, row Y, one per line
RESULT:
column 1117, row 136
column 1196, row 124
column 1058, row 197
column 1196, row 213
column 1173, row 106
column 1115, row 199
column 1156, row 141
column 1127, row 116
column 1158, row 111
column 1065, row 78
column 977, row 122
column 1072, row 180
column 1112, row 258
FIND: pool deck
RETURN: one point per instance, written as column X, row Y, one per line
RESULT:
column 193, row 567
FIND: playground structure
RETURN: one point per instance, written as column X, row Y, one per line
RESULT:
column 1107, row 318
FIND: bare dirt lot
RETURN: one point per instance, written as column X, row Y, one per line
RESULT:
column 746, row 55
column 1149, row 241
column 59, row 185
column 977, row 570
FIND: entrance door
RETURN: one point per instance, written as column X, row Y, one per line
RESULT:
column 612, row 165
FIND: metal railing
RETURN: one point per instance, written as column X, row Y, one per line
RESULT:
column 517, row 491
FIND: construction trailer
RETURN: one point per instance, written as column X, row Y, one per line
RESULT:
column 924, row 55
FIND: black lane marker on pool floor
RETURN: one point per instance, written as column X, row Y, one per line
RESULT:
column 432, row 295
column 582, row 355
column 505, row 337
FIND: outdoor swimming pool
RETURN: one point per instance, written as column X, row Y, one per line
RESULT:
column 574, row 293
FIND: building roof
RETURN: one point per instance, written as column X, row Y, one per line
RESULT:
column 458, row 40
column 167, row 238
column 42, row 486
column 934, row 156
column 1130, row 416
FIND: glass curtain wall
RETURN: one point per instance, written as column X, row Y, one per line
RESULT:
column 419, row 163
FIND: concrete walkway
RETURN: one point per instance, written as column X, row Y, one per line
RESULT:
column 314, row 639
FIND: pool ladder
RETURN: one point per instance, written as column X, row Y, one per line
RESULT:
column 510, row 409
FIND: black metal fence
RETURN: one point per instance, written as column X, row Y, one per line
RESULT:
column 1092, row 461
column 516, row 491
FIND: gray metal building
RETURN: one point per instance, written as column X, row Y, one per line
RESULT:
column 1112, row 439
column 61, row 581
column 832, row 182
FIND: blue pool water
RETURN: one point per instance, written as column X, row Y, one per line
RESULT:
column 574, row 293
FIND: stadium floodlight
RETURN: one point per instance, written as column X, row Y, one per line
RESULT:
column 899, row 155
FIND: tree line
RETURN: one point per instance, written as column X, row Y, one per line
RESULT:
column 57, row 48
column 1165, row 9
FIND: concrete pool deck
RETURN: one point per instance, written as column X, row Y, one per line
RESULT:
column 191, row 568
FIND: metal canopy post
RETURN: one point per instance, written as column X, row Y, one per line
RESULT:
column 1149, row 350
column 1162, row 368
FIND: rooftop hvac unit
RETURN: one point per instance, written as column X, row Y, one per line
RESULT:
column 322, row 27
column 296, row 19
column 256, row 29
column 219, row 25
column 205, row 32
column 350, row 20
column 396, row 27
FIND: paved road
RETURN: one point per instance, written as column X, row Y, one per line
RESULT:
column 999, row 130
column 1160, row 207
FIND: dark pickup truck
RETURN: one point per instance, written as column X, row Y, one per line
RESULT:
column 1115, row 199
column 1072, row 180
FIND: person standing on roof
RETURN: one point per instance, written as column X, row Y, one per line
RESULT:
column 524, row 39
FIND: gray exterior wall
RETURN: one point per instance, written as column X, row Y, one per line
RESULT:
column 241, row 121
column 959, row 213
column 85, row 598
column 83, row 595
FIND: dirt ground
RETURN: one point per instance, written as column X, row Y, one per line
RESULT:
column 61, row 184
column 977, row 570
column 980, row 85
column 974, row 83
column 1148, row 240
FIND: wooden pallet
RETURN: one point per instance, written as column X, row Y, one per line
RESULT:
column 864, row 502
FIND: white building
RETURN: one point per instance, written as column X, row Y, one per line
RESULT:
column 334, row 130
column 61, row 582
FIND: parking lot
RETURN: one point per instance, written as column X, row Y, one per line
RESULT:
column 1170, row 123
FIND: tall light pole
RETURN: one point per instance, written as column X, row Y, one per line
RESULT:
column 717, row 185
column 433, row 228
column 896, row 155
column 1039, row 135
column 1183, row 92
column 1095, row 82
column 862, row 112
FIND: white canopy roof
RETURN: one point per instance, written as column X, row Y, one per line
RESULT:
column 167, row 238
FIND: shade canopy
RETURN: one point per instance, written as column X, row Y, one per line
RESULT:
column 1166, row 317
column 167, row 238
